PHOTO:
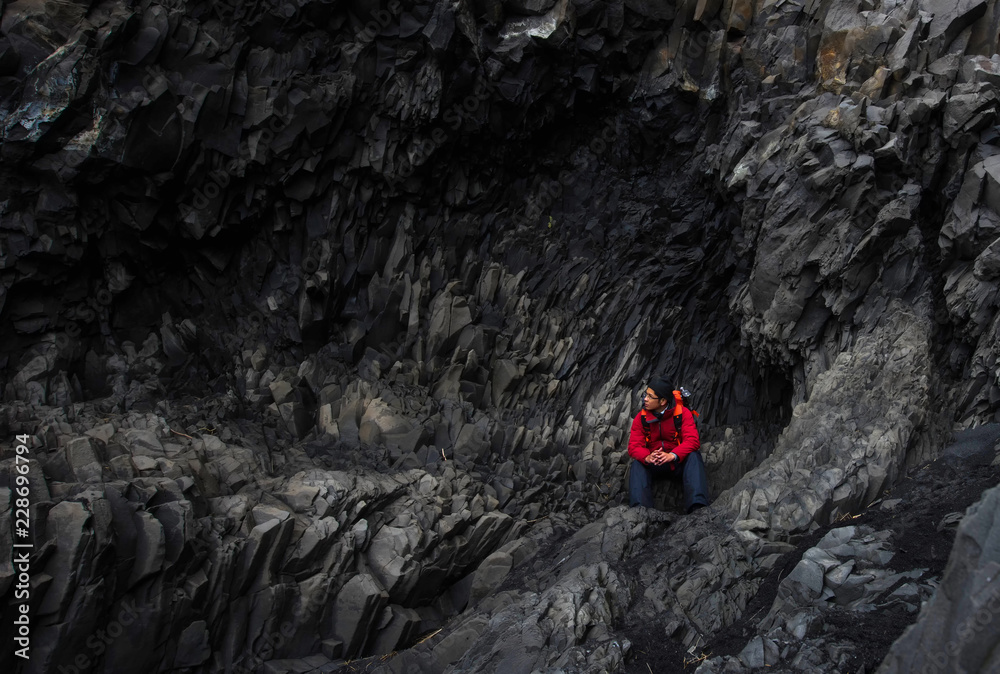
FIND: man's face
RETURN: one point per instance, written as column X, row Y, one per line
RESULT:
column 652, row 402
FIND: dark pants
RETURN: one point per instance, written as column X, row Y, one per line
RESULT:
column 691, row 472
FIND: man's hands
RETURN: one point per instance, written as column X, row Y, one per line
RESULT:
column 660, row 457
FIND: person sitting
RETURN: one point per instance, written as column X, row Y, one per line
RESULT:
column 664, row 442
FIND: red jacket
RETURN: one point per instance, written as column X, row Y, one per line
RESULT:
column 664, row 434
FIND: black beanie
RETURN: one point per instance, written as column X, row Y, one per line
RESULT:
column 662, row 388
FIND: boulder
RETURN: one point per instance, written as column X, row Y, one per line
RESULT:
column 66, row 526
column 357, row 607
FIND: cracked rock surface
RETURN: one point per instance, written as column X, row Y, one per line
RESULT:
column 324, row 323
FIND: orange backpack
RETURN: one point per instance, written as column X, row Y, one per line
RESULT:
column 679, row 398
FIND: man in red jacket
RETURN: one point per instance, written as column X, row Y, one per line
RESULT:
column 660, row 450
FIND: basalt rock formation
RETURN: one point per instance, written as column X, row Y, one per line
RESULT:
column 323, row 325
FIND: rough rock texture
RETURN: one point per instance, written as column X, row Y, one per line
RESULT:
column 838, row 600
column 957, row 631
column 325, row 322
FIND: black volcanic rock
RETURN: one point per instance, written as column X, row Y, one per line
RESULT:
column 323, row 327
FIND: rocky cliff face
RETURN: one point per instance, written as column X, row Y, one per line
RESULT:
column 324, row 324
